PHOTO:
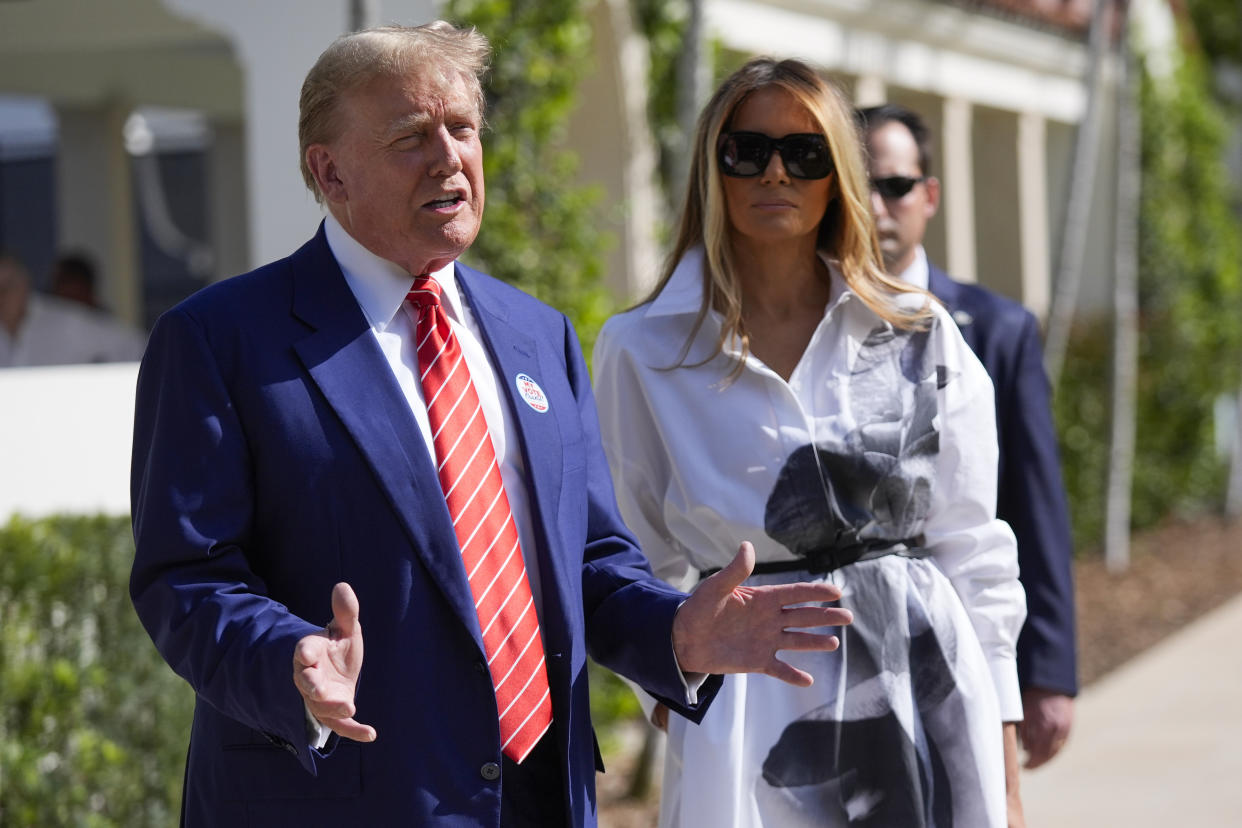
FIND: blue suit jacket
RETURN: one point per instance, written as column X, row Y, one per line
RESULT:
column 274, row 455
column 1031, row 495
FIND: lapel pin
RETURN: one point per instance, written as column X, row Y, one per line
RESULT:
column 532, row 393
column 962, row 318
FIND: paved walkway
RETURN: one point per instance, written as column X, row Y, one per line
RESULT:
column 1157, row 742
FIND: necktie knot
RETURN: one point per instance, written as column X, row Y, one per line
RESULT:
column 425, row 293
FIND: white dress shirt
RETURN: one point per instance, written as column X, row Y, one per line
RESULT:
column 380, row 287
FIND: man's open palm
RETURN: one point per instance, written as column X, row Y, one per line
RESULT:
column 724, row 627
column 326, row 667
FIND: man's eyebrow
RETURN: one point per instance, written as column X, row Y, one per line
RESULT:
column 413, row 122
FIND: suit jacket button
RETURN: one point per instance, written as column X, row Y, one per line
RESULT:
column 490, row 771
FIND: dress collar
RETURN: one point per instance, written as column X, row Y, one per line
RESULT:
column 684, row 291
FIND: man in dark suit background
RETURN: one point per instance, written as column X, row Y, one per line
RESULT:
column 1030, row 495
column 290, row 466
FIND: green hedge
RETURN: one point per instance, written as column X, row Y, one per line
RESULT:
column 93, row 724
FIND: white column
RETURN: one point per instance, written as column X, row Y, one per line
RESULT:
column 95, row 198
column 1035, row 240
column 277, row 41
column 608, row 129
column 958, row 204
column 870, row 90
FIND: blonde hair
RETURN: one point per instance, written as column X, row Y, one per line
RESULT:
column 356, row 59
column 846, row 232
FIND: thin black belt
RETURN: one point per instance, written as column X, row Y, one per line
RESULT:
column 820, row 563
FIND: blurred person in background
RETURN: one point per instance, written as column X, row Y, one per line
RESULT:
column 1030, row 494
column 74, row 279
column 38, row 330
column 777, row 385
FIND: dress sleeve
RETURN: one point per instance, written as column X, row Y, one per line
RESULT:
column 634, row 447
column 629, row 613
column 975, row 550
column 634, row 444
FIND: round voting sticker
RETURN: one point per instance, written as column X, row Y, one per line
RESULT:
column 532, row 393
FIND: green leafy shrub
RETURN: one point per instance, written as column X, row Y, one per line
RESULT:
column 1190, row 305
column 540, row 232
column 93, row 724
column 1190, row 294
column 1081, row 409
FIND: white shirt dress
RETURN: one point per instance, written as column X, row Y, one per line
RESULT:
column 873, row 467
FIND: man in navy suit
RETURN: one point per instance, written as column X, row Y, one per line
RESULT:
column 285, row 473
column 1030, row 496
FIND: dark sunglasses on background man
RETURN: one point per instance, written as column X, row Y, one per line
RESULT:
column 746, row 154
column 895, row 186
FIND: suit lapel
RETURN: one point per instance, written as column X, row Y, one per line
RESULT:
column 514, row 353
column 345, row 362
column 950, row 293
column 939, row 283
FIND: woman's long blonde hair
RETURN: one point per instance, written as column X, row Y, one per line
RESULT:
column 846, row 232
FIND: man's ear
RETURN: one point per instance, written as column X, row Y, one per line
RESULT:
column 932, row 185
column 322, row 165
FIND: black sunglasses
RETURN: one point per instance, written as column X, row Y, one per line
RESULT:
column 746, row 154
column 895, row 186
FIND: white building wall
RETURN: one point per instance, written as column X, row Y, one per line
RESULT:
column 277, row 42
column 65, row 439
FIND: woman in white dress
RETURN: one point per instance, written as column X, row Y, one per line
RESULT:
column 777, row 387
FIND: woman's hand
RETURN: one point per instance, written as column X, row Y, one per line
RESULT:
column 1013, row 798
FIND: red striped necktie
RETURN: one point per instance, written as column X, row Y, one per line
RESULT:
column 483, row 522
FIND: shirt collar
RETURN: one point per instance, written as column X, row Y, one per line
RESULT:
column 683, row 293
column 918, row 273
column 380, row 286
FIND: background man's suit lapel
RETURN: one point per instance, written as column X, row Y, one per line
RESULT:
column 950, row 293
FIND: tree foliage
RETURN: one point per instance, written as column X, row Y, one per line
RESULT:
column 1190, row 305
column 93, row 725
column 1190, row 291
column 1218, row 24
column 541, row 231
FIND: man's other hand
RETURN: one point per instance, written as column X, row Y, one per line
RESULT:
column 326, row 666
column 724, row 627
column 1048, row 717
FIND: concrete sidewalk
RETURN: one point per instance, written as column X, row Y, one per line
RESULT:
column 1158, row 742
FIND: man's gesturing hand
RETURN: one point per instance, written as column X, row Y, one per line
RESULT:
column 1047, row 719
column 326, row 666
column 724, row 627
